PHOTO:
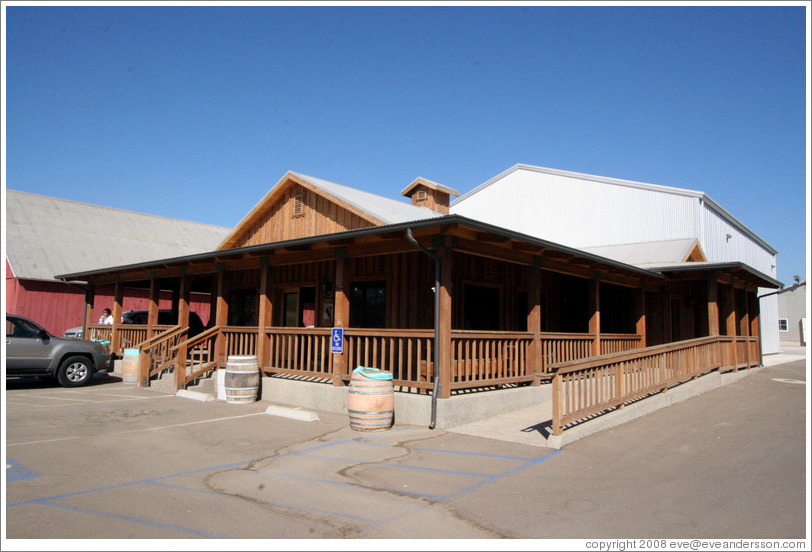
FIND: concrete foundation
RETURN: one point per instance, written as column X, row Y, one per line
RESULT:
column 410, row 408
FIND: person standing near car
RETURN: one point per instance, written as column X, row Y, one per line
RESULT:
column 106, row 317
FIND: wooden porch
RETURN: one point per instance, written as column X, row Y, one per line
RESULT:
column 510, row 311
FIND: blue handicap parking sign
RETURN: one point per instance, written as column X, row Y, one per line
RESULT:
column 337, row 340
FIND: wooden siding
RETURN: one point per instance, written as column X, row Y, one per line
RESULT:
column 279, row 222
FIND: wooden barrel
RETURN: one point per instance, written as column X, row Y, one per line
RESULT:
column 241, row 380
column 129, row 366
column 371, row 399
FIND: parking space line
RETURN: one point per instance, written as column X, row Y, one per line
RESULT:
column 55, row 398
column 136, row 430
column 463, row 452
column 133, row 519
column 355, row 485
column 306, row 453
column 86, row 401
column 275, row 503
column 403, row 466
column 503, row 474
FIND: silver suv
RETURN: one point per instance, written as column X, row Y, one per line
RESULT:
column 32, row 351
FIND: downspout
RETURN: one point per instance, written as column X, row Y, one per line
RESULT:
column 436, row 389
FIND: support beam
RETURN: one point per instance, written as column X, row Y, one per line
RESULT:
column 221, row 315
column 183, row 321
column 115, row 343
column 264, row 316
column 640, row 326
column 534, row 323
column 341, row 313
column 444, row 346
column 730, row 310
column 730, row 320
column 713, row 306
column 595, row 316
column 90, row 299
column 154, row 301
column 753, row 308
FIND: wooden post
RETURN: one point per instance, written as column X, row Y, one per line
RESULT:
column 640, row 326
column 745, row 325
column 341, row 312
column 144, row 366
column 90, row 299
column 221, row 315
column 183, row 321
column 730, row 320
column 444, row 346
column 713, row 306
column 534, row 324
column 755, row 328
column 154, row 301
column 115, row 345
column 264, row 314
column 557, row 391
column 595, row 317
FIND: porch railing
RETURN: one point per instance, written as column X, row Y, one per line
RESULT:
column 300, row 351
column 618, row 343
column 591, row 386
column 478, row 359
column 127, row 335
column 489, row 358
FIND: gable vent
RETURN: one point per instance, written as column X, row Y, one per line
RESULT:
column 297, row 204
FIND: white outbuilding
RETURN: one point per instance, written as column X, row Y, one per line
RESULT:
column 633, row 221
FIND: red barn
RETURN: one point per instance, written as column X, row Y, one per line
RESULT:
column 46, row 236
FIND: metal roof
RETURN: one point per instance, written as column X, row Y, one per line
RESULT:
column 46, row 236
column 390, row 211
column 647, row 254
column 701, row 196
column 439, row 220
column 743, row 268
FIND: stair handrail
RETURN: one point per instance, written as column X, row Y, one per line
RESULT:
column 192, row 341
column 155, row 339
column 181, row 375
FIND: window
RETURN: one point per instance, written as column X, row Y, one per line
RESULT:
column 783, row 325
column 368, row 305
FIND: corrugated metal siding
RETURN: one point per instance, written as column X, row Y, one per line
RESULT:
column 768, row 319
column 581, row 213
column 739, row 247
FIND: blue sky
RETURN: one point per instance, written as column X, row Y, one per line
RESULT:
column 196, row 112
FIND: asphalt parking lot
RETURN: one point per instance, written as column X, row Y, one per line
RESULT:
column 112, row 461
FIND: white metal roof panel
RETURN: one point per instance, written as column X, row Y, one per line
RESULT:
column 653, row 253
column 390, row 211
column 47, row 236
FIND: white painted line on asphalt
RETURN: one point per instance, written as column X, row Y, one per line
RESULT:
column 13, row 403
column 135, row 430
column 57, row 398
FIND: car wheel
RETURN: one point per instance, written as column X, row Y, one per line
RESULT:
column 74, row 371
